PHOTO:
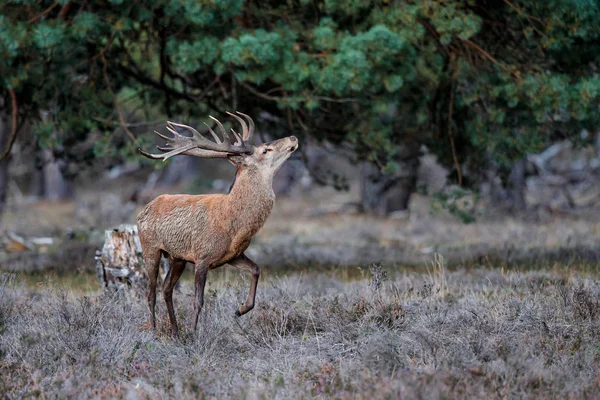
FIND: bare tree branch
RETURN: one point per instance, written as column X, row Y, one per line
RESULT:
column 451, row 136
column 13, row 132
column 43, row 13
column 122, row 121
column 130, row 124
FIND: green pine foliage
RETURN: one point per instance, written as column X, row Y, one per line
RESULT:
column 498, row 78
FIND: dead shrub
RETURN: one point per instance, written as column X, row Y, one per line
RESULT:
column 585, row 303
column 278, row 321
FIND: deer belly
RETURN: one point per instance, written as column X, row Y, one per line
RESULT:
column 179, row 252
column 180, row 246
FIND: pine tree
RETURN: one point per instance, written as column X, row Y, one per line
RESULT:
column 479, row 83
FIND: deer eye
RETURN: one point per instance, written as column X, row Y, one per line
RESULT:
column 265, row 151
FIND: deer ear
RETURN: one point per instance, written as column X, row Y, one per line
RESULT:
column 235, row 159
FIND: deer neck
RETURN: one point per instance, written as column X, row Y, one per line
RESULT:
column 250, row 199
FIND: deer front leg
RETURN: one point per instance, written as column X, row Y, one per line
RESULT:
column 176, row 268
column 152, row 261
column 244, row 262
column 199, row 282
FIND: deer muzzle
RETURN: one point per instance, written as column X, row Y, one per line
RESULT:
column 294, row 145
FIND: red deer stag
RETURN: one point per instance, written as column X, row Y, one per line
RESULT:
column 210, row 230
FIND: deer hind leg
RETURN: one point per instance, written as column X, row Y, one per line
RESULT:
column 244, row 262
column 152, row 261
column 201, row 271
column 176, row 268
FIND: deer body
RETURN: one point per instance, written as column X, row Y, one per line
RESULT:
column 221, row 225
column 210, row 230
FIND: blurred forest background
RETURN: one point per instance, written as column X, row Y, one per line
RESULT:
column 482, row 111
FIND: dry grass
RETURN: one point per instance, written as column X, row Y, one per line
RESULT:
column 481, row 333
column 295, row 235
column 354, row 239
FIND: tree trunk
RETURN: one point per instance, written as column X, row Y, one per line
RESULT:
column 54, row 186
column 383, row 194
column 4, row 134
column 517, row 186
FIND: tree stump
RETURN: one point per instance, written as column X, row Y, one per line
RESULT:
column 120, row 264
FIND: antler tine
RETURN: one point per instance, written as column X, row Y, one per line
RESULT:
column 214, row 135
column 171, row 125
column 226, row 136
column 176, row 135
column 238, row 139
column 243, row 123
column 168, row 155
column 168, row 139
column 248, row 138
column 164, row 149
column 175, row 152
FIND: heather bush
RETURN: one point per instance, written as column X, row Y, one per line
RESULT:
column 483, row 333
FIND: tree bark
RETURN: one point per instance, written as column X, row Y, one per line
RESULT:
column 54, row 186
column 383, row 194
column 517, row 186
column 4, row 134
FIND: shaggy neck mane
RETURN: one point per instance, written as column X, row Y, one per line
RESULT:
column 251, row 197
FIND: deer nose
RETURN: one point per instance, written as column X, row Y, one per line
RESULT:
column 293, row 138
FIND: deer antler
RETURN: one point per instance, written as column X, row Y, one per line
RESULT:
column 247, row 133
column 200, row 146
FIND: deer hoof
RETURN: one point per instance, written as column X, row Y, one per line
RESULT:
column 238, row 313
